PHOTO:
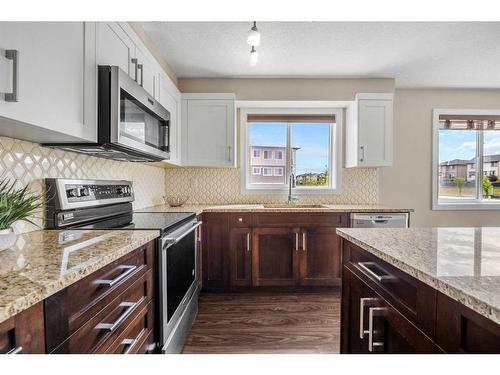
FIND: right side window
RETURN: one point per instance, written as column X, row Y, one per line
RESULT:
column 468, row 148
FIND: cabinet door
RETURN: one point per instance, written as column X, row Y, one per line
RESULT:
column 240, row 257
column 375, row 133
column 462, row 330
column 114, row 47
column 214, row 256
column 319, row 256
column 147, row 71
column 55, row 81
column 169, row 97
column 383, row 329
column 356, row 298
column 275, row 256
column 209, row 132
column 24, row 333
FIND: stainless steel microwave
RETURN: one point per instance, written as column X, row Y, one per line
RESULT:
column 131, row 124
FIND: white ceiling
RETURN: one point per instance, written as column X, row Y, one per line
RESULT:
column 416, row 54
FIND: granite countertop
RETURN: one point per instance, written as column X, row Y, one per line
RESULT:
column 43, row 262
column 462, row 263
column 200, row 208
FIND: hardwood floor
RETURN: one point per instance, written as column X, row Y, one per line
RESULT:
column 280, row 323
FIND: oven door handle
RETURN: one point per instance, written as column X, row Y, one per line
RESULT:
column 169, row 241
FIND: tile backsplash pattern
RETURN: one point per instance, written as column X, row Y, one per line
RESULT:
column 222, row 186
column 29, row 163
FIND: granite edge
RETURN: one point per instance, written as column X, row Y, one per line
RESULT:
column 456, row 294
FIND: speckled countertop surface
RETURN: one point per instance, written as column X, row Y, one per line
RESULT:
column 199, row 208
column 43, row 262
column 463, row 263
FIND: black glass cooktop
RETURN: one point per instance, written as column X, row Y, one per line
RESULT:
column 162, row 221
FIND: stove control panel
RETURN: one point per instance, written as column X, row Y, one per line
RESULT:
column 96, row 192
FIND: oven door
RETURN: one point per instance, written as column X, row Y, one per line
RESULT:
column 141, row 123
column 178, row 278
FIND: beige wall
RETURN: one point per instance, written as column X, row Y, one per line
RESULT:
column 408, row 182
column 288, row 88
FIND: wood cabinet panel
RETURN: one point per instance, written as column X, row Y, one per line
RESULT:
column 320, row 256
column 296, row 219
column 72, row 307
column 275, row 257
column 414, row 299
column 90, row 337
column 240, row 256
column 24, row 333
column 372, row 325
column 461, row 330
column 215, row 251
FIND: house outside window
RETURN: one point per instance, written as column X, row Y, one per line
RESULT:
column 302, row 143
column 465, row 159
column 256, row 171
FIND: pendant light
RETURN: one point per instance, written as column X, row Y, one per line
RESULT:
column 254, row 56
column 253, row 37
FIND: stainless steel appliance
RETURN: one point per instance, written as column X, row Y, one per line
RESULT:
column 380, row 220
column 90, row 204
column 131, row 125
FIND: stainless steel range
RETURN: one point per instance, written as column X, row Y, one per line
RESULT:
column 91, row 204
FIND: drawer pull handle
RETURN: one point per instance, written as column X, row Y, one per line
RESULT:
column 248, row 241
column 131, row 343
column 374, row 311
column 110, row 283
column 364, row 302
column 365, row 266
column 16, row 350
column 131, row 306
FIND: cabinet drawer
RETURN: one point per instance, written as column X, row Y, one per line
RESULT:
column 67, row 310
column 462, row 330
column 109, row 322
column 414, row 299
column 240, row 220
column 373, row 325
column 133, row 338
column 294, row 219
column 23, row 333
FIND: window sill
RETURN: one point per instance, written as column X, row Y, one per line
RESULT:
column 465, row 206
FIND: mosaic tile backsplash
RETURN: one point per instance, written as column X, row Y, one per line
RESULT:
column 222, row 186
column 29, row 163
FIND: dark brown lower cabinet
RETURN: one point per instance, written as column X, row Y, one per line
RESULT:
column 275, row 257
column 461, row 330
column 240, row 257
column 24, row 333
column 320, row 262
column 371, row 325
column 385, row 310
column 215, row 232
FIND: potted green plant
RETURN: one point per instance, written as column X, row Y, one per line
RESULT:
column 15, row 205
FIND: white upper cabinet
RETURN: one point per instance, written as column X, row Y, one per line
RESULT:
column 115, row 47
column 170, row 97
column 369, row 131
column 53, row 78
column 148, row 72
column 208, row 130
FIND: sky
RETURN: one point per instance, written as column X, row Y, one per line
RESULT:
column 313, row 140
column 461, row 144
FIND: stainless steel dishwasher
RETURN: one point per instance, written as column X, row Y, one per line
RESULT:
column 380, row 220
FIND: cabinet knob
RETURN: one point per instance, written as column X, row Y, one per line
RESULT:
column 240, row 219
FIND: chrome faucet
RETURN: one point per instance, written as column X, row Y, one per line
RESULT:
column 291, row 184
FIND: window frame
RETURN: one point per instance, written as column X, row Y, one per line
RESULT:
column 335, row 157
column 465, row 204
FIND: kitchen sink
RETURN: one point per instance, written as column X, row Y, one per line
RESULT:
column 291, row 205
